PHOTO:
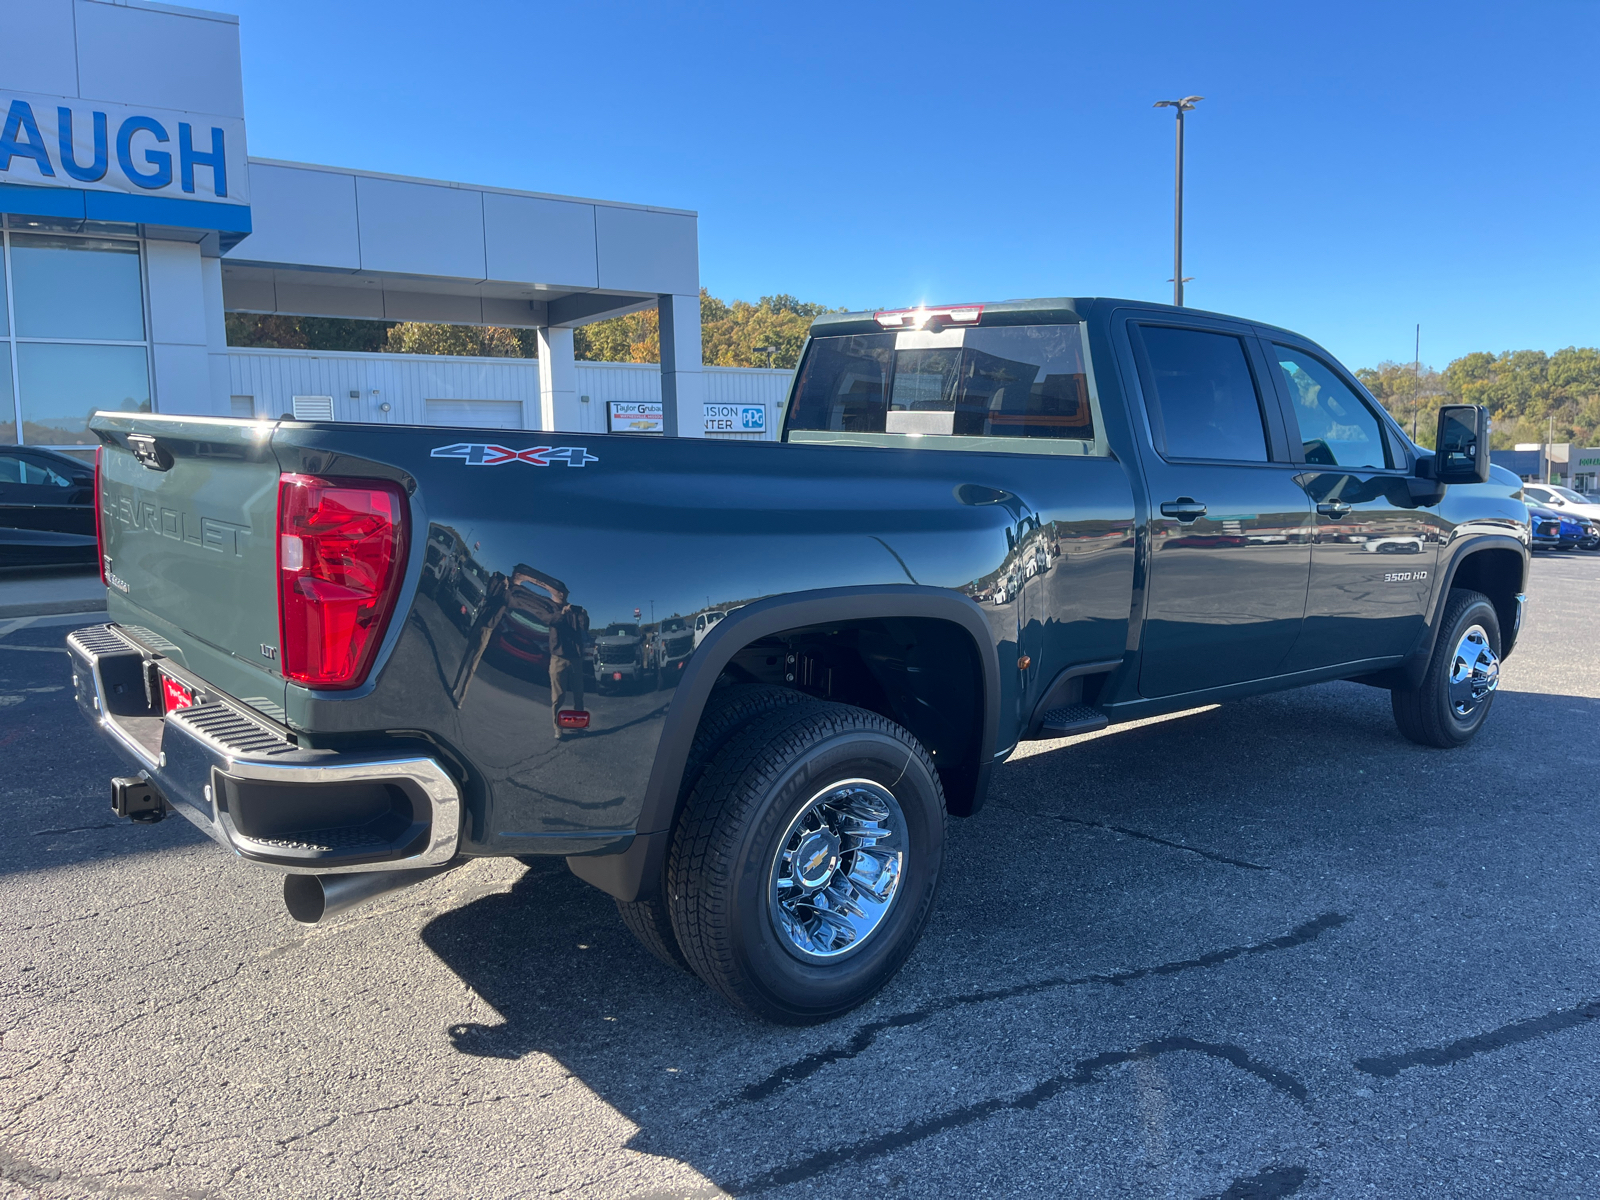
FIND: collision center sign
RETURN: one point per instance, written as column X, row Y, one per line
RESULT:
column 736, row 418
column 57, row 141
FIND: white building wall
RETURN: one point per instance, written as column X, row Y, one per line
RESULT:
column 176, row 296
column 407, row 381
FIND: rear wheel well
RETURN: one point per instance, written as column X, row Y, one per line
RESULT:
column 922, row 673
column 1498, row 575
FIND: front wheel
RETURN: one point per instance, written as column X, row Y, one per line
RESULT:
column 1452, row 702
column 804, row 868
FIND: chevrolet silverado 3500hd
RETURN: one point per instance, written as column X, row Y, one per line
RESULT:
column 982, row 524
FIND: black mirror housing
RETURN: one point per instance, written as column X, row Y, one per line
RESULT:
column 1461, row 450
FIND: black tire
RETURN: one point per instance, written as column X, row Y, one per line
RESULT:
column 728, row 708
column 728, row 839
column 1424, row 713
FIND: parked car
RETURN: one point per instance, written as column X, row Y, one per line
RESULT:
column 46, row 508
column 1562, row 500
column 703, row 624
column 1553, row 530
column 619, row 655
column 674, row 643
column 1544, row 527
column 778, row 825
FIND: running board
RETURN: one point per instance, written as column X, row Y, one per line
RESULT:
column 1071, row 719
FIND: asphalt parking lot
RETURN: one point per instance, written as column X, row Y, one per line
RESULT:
column 1262, row 950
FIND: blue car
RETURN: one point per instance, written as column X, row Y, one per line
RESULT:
column 1557, row 531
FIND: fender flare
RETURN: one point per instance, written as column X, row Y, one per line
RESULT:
column 1409, row 673
column 624, row 875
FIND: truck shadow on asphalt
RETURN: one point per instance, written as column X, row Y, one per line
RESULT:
column 1160, row 852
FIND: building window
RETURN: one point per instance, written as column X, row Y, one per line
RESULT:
column 73, row 334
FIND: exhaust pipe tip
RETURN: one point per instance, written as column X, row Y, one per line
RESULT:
column 312, row 899
column 304, row 898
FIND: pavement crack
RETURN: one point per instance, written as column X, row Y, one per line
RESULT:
column 1083, row 1073
column 863, row 1038
column 1273, row 1183
column 1212, row 855
column 75, row 829
column 1389, row 1065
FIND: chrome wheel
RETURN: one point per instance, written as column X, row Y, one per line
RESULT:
column 838, row 870
column 1474, row 672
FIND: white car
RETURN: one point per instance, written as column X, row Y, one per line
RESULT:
column 1562, row 499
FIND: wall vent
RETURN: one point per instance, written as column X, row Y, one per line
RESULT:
column 313, row 408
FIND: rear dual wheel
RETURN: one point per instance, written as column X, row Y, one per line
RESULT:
column 804, row 867
column 804, row 864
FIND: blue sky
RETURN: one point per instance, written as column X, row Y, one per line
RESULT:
column 1355, row 168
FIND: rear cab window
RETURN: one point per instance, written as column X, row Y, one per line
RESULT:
column 1020, row 388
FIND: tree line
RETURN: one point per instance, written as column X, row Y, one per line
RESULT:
column 769, row 332
column 1531, row 396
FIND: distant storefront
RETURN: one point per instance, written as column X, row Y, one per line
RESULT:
column 1561, row 463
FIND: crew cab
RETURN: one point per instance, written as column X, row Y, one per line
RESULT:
column 983, row 524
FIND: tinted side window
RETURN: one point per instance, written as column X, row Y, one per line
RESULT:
column 1337, row 429
column 1201, row 396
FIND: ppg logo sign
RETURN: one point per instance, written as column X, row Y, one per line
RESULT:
column 105, row 147
column 736, row 418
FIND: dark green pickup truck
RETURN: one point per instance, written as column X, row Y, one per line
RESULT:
column 361, row 655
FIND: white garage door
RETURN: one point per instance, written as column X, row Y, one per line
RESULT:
column 474, row 414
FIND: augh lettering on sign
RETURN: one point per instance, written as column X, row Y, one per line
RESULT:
column 62, row 142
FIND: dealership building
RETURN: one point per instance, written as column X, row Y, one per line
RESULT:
column 134, row 219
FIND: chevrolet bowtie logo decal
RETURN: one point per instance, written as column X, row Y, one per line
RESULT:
column 479, row 454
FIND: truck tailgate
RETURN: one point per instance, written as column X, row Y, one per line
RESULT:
column 188, row 512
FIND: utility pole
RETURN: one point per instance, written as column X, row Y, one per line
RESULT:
column 1417, row 392
column 1178, row 280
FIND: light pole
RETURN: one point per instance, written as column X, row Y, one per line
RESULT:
column 1178, row 280
column 769, row 351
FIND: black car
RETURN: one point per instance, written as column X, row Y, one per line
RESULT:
column 46, row 508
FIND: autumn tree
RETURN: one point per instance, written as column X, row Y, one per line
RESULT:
column 470, row 341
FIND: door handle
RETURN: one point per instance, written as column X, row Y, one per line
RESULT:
column 1333, row 508
column 1184, row 508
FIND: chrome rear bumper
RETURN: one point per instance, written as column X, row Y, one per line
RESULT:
column 235, row 776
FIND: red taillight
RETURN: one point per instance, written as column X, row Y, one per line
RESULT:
column 922, row 318
column 341, row 554
column 572, row 718
column 99, row 530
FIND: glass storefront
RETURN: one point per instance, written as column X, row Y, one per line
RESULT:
column 72, row 331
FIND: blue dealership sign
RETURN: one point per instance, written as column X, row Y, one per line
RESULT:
column 89, row 146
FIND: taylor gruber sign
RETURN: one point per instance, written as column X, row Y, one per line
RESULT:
column 626, row 416
column 59, row 142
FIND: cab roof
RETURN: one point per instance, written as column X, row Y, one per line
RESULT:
column 1050, row 310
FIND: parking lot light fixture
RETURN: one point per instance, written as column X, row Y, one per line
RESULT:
column 1182, row 106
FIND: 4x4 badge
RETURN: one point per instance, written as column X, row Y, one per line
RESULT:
column 477, row 454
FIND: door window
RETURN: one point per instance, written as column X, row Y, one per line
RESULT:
column 1201, row 395
column 1337, row 429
